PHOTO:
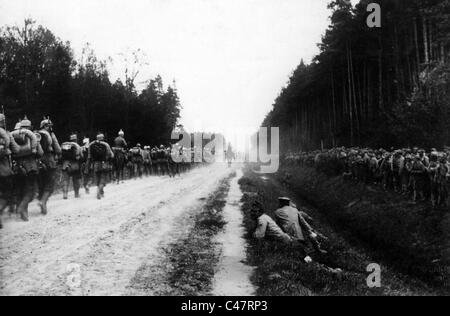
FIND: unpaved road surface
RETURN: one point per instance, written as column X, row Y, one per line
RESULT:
column 233, row 275
column 91, row 247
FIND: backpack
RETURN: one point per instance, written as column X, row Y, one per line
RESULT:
column 46, row 141
column 135, row 152
column 3, row 150
column 3, row 143
column 98, row 151
column 69, row 151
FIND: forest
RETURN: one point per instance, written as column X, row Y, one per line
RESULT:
column 375, row 87
column 39, row 76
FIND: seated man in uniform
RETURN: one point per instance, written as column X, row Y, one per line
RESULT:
column 266, row 226
column 294, row 223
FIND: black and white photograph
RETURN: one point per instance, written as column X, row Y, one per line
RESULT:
column 224, row 154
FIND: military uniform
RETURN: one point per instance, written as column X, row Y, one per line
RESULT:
column 85, row 168
column 293, row 223
column 26, row 166
column 418, row 173
column 100, row 164
column 267, row 228
column 120, row 157
column 147, row 161
column 47, row 172
column 71, row 167
column 162, row 160
column 7, row 147
column 137, row 161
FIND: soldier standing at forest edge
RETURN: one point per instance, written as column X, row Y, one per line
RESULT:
column 71, row 168
column 99, row 155
column 47, row 174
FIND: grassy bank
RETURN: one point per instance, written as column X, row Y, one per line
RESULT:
column 194, row 258
column 412, row 238
column 282, row 271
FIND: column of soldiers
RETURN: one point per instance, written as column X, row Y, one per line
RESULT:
column 27, row 165
column 411, row 172
column 29, row 161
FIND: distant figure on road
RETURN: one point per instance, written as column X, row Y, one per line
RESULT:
column 229, row 155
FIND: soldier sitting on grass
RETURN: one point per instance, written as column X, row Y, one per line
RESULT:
column 291, row 222
column 266, row 227
column 294, row 223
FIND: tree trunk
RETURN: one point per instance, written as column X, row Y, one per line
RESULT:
column 425, row 41
column 380, row 73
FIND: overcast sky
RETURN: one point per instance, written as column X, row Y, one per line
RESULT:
column 230, row 58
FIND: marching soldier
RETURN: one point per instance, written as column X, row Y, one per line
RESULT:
column 120, row 141
column 26, row 165
column 71, row 168
column 120, row 157
column 154, row 158
column 163, row 162
column 147, row 160
column 99, row 155
column 47, row 173
column 85, row 168
column 137, row 160
column 7, row 147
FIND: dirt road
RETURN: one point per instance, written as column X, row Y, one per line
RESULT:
column 90, row 247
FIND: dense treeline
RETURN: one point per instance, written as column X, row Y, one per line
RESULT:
column 387, row 86
column 39, row 76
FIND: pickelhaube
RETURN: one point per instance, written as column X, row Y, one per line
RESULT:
column 121, row 133
column 25, row 123
column 17, row 126
column 46, row 122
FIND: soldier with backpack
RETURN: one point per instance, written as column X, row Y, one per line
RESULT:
column 137, row 159
column 26, row 166
column 7, row 147
column 163, row 162
column 84, row 165
column 47, row 172
column 71, row 168
column 99, row 155
column 147, row 161
column 120, row 158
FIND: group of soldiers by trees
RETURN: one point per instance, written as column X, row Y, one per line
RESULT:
column 409, row 171
column 386, row 87
column 372, row 87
